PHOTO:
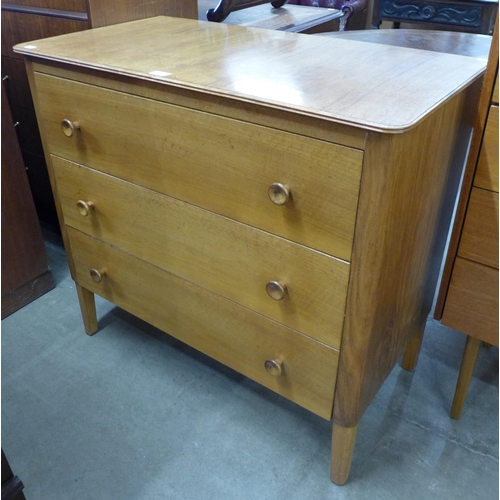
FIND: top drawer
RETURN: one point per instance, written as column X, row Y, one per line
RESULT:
column 223, row 165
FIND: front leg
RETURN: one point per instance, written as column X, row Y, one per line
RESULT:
column 343, row 441
column 88, row 310
column 410, row 356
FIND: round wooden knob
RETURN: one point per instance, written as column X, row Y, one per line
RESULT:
column 276, row 290
column 98, row 275
column 279, row 193
column 274, row 367
column 69, row 127
column 84, row 207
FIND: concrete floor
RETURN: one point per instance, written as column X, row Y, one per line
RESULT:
column 131, row 413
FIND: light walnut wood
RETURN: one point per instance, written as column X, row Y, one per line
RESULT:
column 412, row 351
column 401, row 186
column 87, row 307
column 410, row 113
column 487, row 166
column 479, row 240
column 483, row 109
column 494, row 97
column 472, row 301
column 471, row 351
column 259, row 114
column 231, row 259
column 280, row 77
column 343, row 441
column 229, row 175
column 233, row 335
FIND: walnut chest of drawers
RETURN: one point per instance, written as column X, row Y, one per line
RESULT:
column 295, row 236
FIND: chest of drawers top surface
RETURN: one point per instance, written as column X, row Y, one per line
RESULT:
column 376, row 87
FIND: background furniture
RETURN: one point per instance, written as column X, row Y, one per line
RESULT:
column 25, row 267
column 354, row 11
column 225, row 7
column 472, row 16
column 24, row 20
column 289, row 18
column 277, row 229
column 468, row 294
column 449, row 42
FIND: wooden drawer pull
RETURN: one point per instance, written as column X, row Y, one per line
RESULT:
column 69, row 127
column 84, row 207
column 98, row 275
column 276, row 290
column 279, row 194
column 274, row 367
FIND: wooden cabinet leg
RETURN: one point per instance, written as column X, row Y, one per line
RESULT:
column 87, row 307
column 471, row 351
column 410, row 356
column 343, row 441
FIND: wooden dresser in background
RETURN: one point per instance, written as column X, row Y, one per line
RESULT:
column 24, row 20
column 25, row 266
column 211, row 182
column 468, row 294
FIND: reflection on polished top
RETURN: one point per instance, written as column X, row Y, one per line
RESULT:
column 373, row 86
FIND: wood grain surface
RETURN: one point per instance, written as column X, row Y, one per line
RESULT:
column 229, row 258
column 472, row 301
column 229, row 60
column 406, row 201
column 483, row 109
column 223, row 165
column 479, row 240
column 21, row 28
column 71, row 5
column 233, row 335
column 122, row 11
column 487, row 166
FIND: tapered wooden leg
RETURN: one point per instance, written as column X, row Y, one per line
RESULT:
column 87, row 306
column 343, row 441
column 471, row 351
column 410, row 356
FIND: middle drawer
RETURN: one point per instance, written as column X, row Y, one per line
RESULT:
column 239, row 262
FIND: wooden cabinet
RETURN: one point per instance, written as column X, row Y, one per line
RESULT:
column 295, row 236
column 25, row 266
column 24, row 20
column 468, row 295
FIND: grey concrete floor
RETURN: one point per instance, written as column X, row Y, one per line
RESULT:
column 131, row 413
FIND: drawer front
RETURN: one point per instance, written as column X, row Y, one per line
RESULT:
column 16, row 83
column 226, row 257
column 223, row 165
column 19, row 28
column 479, row 241
column 221, row 329
column 487, row 168
column 472, row 302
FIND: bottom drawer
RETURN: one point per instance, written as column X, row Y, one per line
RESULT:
column 472, row 302
column 227, row 332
